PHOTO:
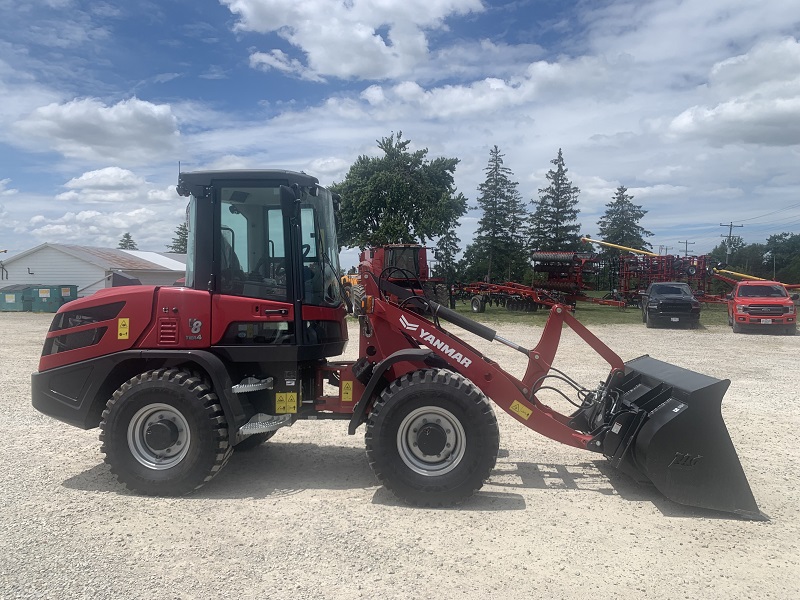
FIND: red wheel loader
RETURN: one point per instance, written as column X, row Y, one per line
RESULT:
column 176, row 378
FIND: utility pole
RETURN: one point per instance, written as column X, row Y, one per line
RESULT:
column 666, row 248
column 686, row 247
column 773, row 265
column 730, row 227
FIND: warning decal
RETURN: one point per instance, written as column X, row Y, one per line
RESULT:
column 285, row 403
column 521, row 410
column 123, row 329
column 347, row 391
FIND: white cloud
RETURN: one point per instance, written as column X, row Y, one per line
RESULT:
column 132, row 131
column 105, row 186
column 101, row 205
column 110, row 178
column 329, row 167
column 19, row 92
column 759, row 96
column 214, row 72
column 4, row 189
column 103, row 229
column 358, row 39
column 280, row 61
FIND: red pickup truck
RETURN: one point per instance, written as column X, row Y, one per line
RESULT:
column 762, row 304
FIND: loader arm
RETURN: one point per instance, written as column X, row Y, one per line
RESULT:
column 394, row 328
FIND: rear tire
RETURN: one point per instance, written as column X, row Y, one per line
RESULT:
column 357, row 294
column 164, row 433
column 432, row 438
column 441, row 294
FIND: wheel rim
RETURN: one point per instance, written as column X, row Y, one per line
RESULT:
column 159, row 436
column 423, row 432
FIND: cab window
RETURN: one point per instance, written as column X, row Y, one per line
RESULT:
column 252, row 246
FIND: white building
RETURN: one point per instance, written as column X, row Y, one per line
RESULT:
column 90, row 268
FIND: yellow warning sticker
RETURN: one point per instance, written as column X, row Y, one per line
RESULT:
column 285, row 402
column 123, row 329
column 347, row 391
column 520, row 409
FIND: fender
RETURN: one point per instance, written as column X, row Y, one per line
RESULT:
column 71, row 393
column 406, row 355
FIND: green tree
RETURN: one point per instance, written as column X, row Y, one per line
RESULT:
column 180, row 240
column 620, row 223
column 554, row 225
column 400, row 197
column 784, row 248
column 126, row 242
column 498, row 249
column 446, row 251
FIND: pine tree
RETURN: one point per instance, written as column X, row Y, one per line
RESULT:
column 446, row 251
column 126, row 242
column 181, row 239
column 620, row 223
column 498, row 250
column 554, row 226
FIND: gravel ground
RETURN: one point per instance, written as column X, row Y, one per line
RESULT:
column 303, row 516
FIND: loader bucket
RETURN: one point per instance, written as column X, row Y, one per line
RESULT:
column 670, row 432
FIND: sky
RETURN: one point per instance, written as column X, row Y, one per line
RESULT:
column 692, row 105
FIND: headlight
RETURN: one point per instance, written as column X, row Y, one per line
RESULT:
column 741, row 308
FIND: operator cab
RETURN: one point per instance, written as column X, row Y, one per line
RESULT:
column 268, row 235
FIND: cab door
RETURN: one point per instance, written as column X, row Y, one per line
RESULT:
column 252, row 306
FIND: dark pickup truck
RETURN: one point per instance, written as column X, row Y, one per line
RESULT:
column 670, row 303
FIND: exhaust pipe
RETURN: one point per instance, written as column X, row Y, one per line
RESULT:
column 663, row 424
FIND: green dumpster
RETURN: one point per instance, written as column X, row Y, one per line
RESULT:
column 68, row 293
column 16, row 298
column 46, row 298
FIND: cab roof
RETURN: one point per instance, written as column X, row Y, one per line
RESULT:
column 195, row 182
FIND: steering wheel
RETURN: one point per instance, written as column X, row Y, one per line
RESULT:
column 306, row 250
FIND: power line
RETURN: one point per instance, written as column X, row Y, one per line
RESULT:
column 771, row 213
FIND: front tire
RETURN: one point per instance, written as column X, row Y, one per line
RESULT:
column 432, row 438
column 648, row 321
column 164, row 433
column 478, row 304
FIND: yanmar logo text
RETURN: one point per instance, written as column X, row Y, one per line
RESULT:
column 435, row 343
